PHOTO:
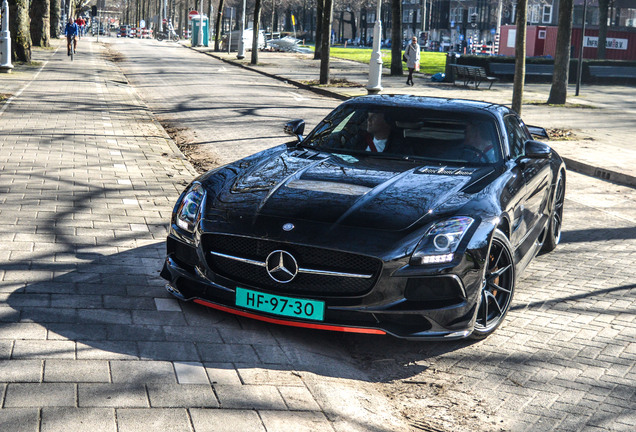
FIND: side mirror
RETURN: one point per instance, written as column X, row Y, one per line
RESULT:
column 295, row 128
column 538, row 131
column 537, row 150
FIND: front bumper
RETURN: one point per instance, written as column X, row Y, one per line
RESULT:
column 405, row 302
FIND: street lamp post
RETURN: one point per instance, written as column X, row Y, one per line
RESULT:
column 579, row 70
column 375, row 65
column 241, row 45
column 200, row 38
column 5, row 40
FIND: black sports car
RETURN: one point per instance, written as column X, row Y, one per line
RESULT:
column 398, row 215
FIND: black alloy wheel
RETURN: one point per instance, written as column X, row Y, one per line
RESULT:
column 498, row 287
column 556, row 217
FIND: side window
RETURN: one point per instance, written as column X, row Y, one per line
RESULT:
column 516, row 136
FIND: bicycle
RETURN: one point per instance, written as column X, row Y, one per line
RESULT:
column 70, row 49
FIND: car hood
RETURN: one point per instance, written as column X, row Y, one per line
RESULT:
column 369, row 192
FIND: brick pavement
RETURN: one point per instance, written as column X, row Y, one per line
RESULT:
column 89, row 339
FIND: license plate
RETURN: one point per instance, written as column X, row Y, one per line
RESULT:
column 279, row 305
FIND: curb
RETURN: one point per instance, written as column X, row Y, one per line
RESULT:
column 571, row 164
column 600, row 173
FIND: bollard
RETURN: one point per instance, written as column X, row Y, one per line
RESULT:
column 5, row 40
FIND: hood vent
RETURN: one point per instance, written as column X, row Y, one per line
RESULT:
column 447, row 171
column 308, row 154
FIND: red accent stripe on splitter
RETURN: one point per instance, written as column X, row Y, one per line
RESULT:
column 290, row 323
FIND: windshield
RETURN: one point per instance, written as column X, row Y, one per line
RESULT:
column 447, row 137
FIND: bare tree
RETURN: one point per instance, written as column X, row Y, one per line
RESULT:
column 325, row 50
column 255, row 31
column 396, row 38
column 40, row 23
column 319, row 12
column 520, row 55
column 559, row 89
column 219, row 22
column 603, row 9
column 351, row 21
column 55, row 19
column 19, row 28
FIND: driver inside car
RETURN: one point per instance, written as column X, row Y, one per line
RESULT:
column 379, row 131
column 478, row 145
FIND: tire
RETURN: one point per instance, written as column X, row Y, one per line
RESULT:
column 175, row 38
column 553, row 235
column 497, row 289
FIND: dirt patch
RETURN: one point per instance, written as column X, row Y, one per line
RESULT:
column 113, row 56
column 336, row 82
column 429, row 399
column 565, row 105
column 202, row 159
column 432, row 402
column 562, row 135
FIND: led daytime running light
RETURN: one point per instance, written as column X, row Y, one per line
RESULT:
column 437, row 259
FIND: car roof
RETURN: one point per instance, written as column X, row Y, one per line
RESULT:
column 432, row 103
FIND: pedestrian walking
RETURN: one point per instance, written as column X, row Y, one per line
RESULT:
column 412, row 56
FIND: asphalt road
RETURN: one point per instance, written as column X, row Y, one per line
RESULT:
column 225, row 111
column 565, row 359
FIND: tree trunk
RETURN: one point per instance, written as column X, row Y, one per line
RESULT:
column 396, row 38
column 352, row 22
column 19, row 28
column 256, row 28
column 40, row 23
column 219, row 23
column 55, row 19
column 559, row 89
column 319, row 9
column 603, row 9
column 520, row 55
column 325, row 49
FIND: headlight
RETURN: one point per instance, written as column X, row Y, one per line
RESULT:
column 188, row 210
column 441, row 241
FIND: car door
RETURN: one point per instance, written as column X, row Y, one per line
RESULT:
column 516, row 187
column 536, row 176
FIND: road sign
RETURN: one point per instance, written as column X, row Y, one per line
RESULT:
column 192, row 14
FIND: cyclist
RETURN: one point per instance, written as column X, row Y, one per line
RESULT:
column 71, row 31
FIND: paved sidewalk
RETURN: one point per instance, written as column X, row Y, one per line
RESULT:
column 89, row 339
column 602, row 116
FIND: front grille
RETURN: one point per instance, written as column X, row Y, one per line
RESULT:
column 306, row 256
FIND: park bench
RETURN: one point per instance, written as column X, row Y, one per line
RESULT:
column 613, row 71
column 472, row 74
column 531, row 69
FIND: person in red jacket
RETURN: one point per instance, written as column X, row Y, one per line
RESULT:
column 81, row 23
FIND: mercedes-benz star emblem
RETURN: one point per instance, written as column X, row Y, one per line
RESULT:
column 288, row 227
column 281, row 266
